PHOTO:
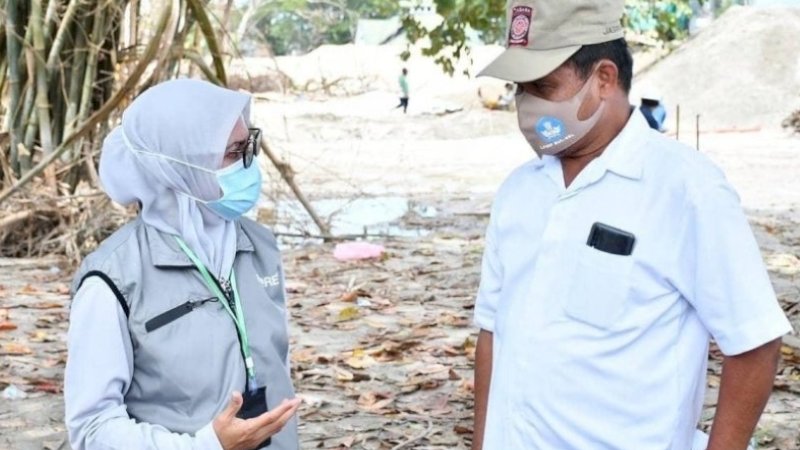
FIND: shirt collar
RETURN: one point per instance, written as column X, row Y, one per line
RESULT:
column 622, row 156
column 165, row 252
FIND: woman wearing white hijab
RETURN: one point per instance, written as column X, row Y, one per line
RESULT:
column 178, row 335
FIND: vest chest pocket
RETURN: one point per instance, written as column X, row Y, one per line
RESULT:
column 601, row 285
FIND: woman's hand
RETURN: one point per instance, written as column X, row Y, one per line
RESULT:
column 239, row 434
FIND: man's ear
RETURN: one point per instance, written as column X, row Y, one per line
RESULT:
column 608, row 77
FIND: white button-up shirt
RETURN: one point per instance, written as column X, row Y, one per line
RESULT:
column 594, row 350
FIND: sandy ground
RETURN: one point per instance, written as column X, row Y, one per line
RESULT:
column 383, row 351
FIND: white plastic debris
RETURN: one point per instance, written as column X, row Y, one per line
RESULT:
column 12, row 392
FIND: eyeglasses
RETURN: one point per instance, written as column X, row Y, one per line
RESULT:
column 249, row 148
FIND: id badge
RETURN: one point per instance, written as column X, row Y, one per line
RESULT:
column 255, row 404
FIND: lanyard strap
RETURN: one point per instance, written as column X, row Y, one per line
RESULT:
column 234, row 309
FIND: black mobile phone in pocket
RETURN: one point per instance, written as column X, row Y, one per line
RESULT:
column 611, row 240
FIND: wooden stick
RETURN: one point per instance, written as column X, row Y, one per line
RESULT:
column 204, row 23
column 200, row 64
column 287, row 173
column 13, row 218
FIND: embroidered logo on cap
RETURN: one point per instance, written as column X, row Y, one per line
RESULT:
column 521, row 17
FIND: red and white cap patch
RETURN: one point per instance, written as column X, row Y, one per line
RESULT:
column 521, row 17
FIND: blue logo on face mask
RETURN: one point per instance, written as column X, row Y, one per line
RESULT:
column 550, row 129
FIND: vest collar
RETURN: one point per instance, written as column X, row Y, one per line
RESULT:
column 165, row 252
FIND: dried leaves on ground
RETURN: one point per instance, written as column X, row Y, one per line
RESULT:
column 382, row 350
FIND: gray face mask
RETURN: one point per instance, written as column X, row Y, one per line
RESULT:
column 552, row 127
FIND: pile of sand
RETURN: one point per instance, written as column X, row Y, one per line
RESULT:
column 348, row 70
column 742, row 71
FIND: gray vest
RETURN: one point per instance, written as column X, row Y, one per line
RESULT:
column 185, row 368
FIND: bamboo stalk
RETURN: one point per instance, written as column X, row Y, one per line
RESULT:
column 75, row 82
column 211, row 39
column 28, row 121
column 134, row 31
column 226, row 17
column 101, row 114
column 195, row 45
column 50, row 20
column 3, row 79
column 42, row 102
column 3, row 67
column 58, row 41
column 13, row 51
column 165, row 51
column 107, row 66
column 95, row 42
column 179, row 44
column 2, row 32
column 6, row 174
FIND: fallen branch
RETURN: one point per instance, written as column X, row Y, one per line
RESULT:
column 13, row 219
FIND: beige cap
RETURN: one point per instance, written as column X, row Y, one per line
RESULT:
column 542, row 34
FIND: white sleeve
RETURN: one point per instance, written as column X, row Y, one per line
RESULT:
column 722, row 273
column 98, row 373
column 491, row 285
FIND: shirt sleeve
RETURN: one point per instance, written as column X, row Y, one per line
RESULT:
column 722, row 273
column 491, row 284
column 98, row 373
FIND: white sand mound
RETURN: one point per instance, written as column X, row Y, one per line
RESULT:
column 742, row 71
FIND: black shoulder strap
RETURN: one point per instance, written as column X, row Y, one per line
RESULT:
column 112, row 286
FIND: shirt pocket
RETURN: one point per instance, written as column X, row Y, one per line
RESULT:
column 600, row 288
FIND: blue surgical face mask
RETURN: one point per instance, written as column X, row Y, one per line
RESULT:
column 241, row 188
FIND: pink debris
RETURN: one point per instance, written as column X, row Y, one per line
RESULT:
column 353, row 251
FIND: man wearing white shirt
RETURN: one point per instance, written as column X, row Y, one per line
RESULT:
column 610, row 262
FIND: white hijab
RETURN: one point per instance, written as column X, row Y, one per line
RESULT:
column 164, row 154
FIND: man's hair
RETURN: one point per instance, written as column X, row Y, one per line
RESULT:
column 405, row 71
column 616, row 51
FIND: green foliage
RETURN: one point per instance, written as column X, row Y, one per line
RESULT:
column 663, row 20
column 302, row 25
column 449, row 40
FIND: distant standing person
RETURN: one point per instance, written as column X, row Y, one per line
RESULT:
column 506, row 101
column 403, row 80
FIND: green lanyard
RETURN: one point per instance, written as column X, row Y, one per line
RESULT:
column 236, row 312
